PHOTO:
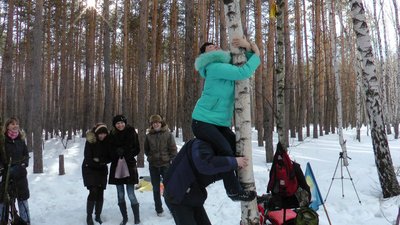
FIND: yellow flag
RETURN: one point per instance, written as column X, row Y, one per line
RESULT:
column 272, row 11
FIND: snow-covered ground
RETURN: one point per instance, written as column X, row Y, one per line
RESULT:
column 61, row 200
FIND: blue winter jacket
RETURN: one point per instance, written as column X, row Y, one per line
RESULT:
column 216, row 104
column 193, row 169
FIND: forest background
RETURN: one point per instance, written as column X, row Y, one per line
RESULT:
column 68, row 64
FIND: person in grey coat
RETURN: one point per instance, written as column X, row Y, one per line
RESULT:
column 160, row 149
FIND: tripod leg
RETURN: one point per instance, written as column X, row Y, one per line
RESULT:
column 354, row 187
column 341, row 174
column 333, row 177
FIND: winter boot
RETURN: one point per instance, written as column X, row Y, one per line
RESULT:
column 122, row 208
column 135, row 209
column 98, row 208
column 89, row 212
column 246, row 196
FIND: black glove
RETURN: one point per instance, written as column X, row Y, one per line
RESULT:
column 120, row 152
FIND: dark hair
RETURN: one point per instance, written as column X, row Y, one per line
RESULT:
column 203, row 47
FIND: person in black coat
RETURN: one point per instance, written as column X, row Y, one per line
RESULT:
column 194, row 168
column 124, row 147
column 15, row 156
column 95, row 170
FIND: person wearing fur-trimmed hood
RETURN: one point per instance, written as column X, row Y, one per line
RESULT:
column 95, row 170
column 15, row 156
column 124, row 147
column 213, row 113
column 160, row 149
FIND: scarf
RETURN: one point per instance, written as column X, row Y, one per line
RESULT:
column 12, row 134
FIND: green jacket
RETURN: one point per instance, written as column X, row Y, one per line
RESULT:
column 160, row 147
column 216, row 104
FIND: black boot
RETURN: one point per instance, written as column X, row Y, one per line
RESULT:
column 122, row 208
column 135, row 209
column 89, row 212
column 97, row 211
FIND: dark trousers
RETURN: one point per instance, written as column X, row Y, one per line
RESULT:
column 156, row 173
column 189, row 215
column 95, row 194
column 223, row 141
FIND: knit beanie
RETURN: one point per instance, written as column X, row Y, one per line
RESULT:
column 155, row 118
column 101, row 128
column 119, row 118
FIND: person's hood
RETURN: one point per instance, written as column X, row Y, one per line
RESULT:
column 203, row 60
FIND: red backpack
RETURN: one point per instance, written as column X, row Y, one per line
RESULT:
column 282, row 180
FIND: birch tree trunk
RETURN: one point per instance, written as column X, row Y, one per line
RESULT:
column 397, row 30
column 280, row 74
column 387, row 176
column 339, row 110
column 242, row 113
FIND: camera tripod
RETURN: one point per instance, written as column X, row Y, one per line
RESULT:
column 342, row 177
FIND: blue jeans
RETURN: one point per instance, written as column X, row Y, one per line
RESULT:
column 223, row 141
column 155, row 174
column 130, row 189
column 23, row 208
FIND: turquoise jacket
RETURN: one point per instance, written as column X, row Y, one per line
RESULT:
column 216, row 104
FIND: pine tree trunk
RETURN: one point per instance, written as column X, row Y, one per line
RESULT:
column 189, row 92
column 242, row 112
column 317, row 57
column 259, row 102
column 107, row 114
column 153, row 69
column 387, row 176
column 300, row 73
column 142, row 71
column 6, row 69
column 37, row 88
column 268, row 86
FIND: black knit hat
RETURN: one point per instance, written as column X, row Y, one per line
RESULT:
column 119, row 118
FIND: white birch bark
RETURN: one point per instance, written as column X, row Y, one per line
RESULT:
column 384, row 164
column 280, row 74
column 397, row 30
column 358, row 98
column 335, row 66
column 242, row 113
